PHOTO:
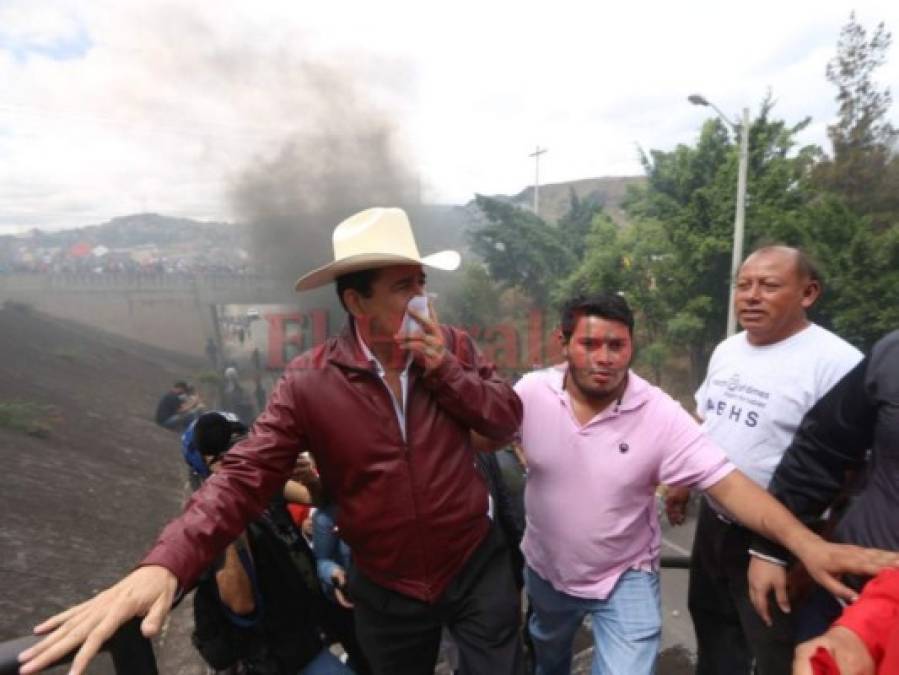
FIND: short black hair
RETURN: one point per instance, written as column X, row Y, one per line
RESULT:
column 180, row 384
column 610, row 306
column 214, row 434
column 359, row 281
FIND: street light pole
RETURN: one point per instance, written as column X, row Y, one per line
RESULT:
column 739, row 220
column 741, row 130
column 536, row 155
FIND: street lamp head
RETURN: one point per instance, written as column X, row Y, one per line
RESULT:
column 696, row 99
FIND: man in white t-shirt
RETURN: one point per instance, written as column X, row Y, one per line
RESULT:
column 759, row 384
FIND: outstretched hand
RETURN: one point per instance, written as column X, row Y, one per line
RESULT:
column 147, row 592
column 825, row 561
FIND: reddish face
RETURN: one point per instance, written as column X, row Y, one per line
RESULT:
column 599, row 354
column 771, row 297
column 380, row 316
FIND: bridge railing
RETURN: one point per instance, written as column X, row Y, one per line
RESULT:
column 76, row 281
column 675, row 562
column 131, row 652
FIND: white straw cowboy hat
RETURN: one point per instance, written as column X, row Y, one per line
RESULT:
column 377, row 237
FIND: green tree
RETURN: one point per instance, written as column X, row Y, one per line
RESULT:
column 862, row 166
column 474, row 301
column 634, row 261
column 691, row 193
column 867, row 306
column 673, row 261
column 575, row 225
column 602, row 267
column 853, row 223
column 523, row 251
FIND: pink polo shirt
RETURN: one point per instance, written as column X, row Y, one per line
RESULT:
column 590, row 496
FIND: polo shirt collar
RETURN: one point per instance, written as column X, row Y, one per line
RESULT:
column 635, row 392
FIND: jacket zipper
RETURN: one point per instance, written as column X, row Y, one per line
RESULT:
column 407, row 457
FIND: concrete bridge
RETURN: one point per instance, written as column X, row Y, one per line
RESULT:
column 173, row 312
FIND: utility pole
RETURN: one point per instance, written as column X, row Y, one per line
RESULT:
column 536, row 155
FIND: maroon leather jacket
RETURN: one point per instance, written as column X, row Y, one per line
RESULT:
column 412, row 511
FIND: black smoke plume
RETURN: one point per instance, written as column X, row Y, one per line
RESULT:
column 346, row 156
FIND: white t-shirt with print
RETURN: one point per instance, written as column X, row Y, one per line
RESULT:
column 754, row 397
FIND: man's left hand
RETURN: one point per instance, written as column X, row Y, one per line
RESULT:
column 427, row 346
column 765, row 577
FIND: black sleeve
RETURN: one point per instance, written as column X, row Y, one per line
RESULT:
column 504, row 509
column 167, row 406
column 832, row 439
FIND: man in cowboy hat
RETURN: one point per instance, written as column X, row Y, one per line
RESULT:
column 388, row 414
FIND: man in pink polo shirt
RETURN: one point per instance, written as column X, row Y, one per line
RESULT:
column 598, row 440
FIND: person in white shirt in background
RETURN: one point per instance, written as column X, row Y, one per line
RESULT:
column 760, row 383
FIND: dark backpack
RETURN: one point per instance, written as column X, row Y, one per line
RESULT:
column 284, row 635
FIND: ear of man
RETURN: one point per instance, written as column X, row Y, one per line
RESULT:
column 811, row 293
column 352, row 299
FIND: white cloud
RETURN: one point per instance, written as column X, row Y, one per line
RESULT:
column 173, row 99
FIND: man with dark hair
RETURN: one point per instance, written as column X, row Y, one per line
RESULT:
column 257, row 609
column 760, row 383
column 598, row 440
column 177, row 408
column 388, row 414
column 360, row 282
column 612, row 307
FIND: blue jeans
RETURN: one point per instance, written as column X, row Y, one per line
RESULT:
column 627, row 626
column 325, row 664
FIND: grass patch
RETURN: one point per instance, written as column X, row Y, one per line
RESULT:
column 16, row 306
column 27, row 417
column 209, row 378
column 70, row 355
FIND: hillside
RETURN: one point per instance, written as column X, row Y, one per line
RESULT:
column 88, row 479
column 154, row 244
column 145, row 239
column 554, row 197
column 139, row 229
column 150, row 243
column 146, row 243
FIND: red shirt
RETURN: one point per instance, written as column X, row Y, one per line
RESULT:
column 298, row 513
column 874, row 617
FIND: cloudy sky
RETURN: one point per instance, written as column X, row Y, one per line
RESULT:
column 111, row 107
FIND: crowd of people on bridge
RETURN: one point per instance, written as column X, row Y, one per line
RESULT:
column 123, row 266
column 401, row 419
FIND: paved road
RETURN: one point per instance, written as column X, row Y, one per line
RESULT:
column 677, row 629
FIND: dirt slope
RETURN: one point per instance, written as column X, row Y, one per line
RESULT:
column 81, row 501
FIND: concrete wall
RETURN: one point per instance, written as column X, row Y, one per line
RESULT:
column 167, row 312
